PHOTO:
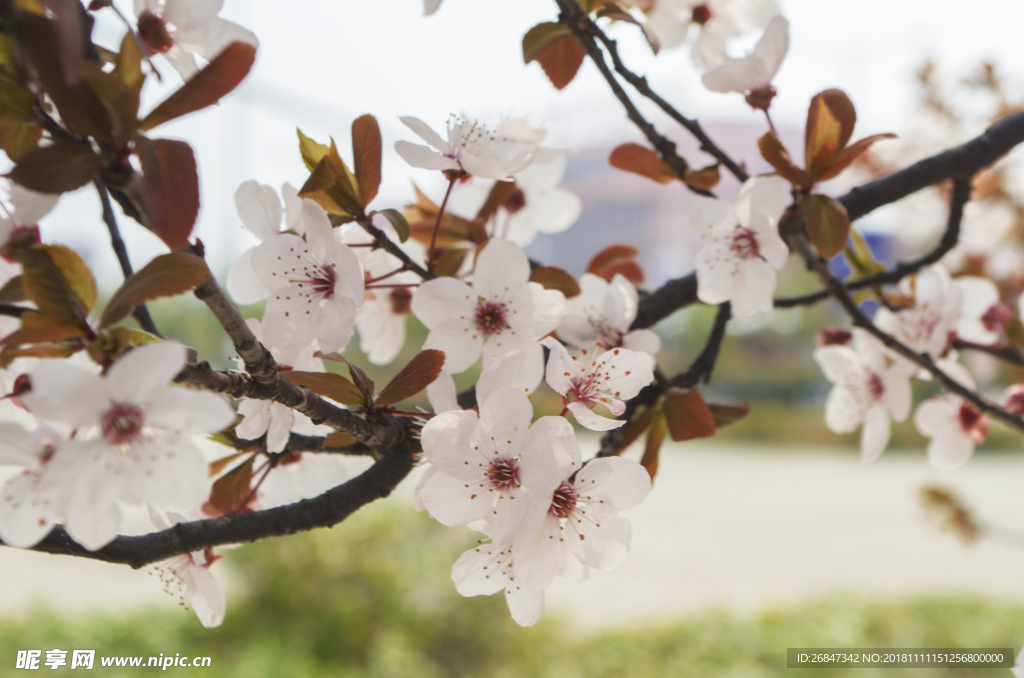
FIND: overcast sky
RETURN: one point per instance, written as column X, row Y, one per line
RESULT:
column 321, row 63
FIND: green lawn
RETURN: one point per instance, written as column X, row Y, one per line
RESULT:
column 372, row 598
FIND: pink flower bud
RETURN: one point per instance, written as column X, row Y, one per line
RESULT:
column 833, row 336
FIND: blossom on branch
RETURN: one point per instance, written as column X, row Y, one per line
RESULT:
column 499, row 313
column 715, row 21
column 181, row 30
column 603, row 312
column 470, row 149
column 926, row 326
column 260, row 211
column 130, row 439
column 870, row 388
column 743, row 248
column 315, row 283
column 492, row 567
column 590, row 377
column 982, row 315
column 24, row 209
column 190, row 578
column 752, row 75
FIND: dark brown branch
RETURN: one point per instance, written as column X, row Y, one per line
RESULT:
column 962, row 161
column 327, row 510
column 961, row 194
column 576, row 20
column 639, row 83
column 799, row 243
column 1006, row 352
column 140, row 312
column 389, row 246
column 13, row 311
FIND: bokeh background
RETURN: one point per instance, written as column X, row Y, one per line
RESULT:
column 771, row 535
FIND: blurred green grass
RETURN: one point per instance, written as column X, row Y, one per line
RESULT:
column 373, row 598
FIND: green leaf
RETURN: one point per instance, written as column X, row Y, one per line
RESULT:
column 398, row 221
column 327, row 384
column 165, row 276
column 61, row 167
column 554, row 278
column 540, row 37
column 19, row 139
column 129, row 62
column 207, row 87
column 828, row 224
column 170, row 182
column 421, row 371
column 367, row 150
column 11, row 292
column 311, row 151
column 113, row 342
column 687, row 415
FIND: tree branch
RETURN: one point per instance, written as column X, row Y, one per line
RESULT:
column 14, row 311
column 140, row 312
column 327, row 510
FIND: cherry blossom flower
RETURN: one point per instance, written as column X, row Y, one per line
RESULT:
column 595, row 376
column 130, row 438
column 581, row 522
column 491, row 567
column 184, row 29
column 300, row 476
column 955, row 426
column 29, row 505
column 603, row 312
column 869, row 389
column 316, row 284
column 926, row 326
column 536, row 205
column 188, row 576
column 382, row 317
column 715, row 21
column 471, row 149
column 982, row 315
column 273, row 418
column 486, row 465
column 260, row 211
column 24, row 209
column 743, row 248
column 752, row 75
column 501, row 312
column 499, row 373
column 1013, row 399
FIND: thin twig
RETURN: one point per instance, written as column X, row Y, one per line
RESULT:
column 140, row 312
column 13, row 311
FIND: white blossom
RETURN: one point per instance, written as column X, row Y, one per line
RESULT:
column 870, row 389
column 24, row 209
column 499, row 313
column 470, row 148
column 752, row 75
column 489, row 568
column 603, row 312
column 594, row 376
column 188, row 576
column 743, row 248
column 498, row 373
column 925, row 327
column 714, row 21
column 130, row 441
column 982, row 315
column 315, row 283
column 273, row 418
column 955, row 426
column 181, row 30
column 259, row 208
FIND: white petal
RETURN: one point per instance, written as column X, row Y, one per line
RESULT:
column 593, row 421
column 642, row 340
column 445, row 441
column 773, row 45
column 335, row 324
column 619, row 483
column 532, row 371
column 839, row 364
column 279, row 429
column 27, row 510
column 605, row 539
column 897, row 396
column 208, row 601
column 558, row 373
column 182, row 409
column 738, row 75
column 189, row 13
column 874, row 437
column 442, row 394
column 424, row 132
column 259, row 209
column 501, row 266
column 450, row 502
column 935, row 414
column 244, row 284
column 210, row 39
column 65, row 393
column 256, row 419
column 499, row 373
column 441, row 299
column 423, row 157
column 843, row 410
column 539, row 558
column 710, row 213
column 526, row 605
column 482, row 571
column 950, row 449
column 144, row 370
column 753, row 287
column 461, row 344
column 30, row 206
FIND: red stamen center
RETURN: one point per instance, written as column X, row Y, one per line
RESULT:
column 875, row 386
column 490, row 317
column 153, row 31
column 563, row 501
column 973, row 422
column 122, row 423
column 503, row 474
column 701, row 14
column 744, row 243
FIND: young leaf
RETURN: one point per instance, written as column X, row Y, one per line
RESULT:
column 19, row 139
column 540, row 37
column 421, row 372
column 218, row 466
column 35, row 328
column 635, row 428
column 846, row 156
column 687, row 415
column 561, row 60
column 703, row 179
column 205, row 88
column 367, row 149
column 232, row 491
column 397, row 220
column 171, row 185
column 61, row 167
column 828, row 224
column 617, row 259
column 165, row 276
column 499, row 194
column 652, row 447
column 115, row 341
column 828, row 129
column 311, row 151
column 129, row 62
column 554, row 278
column 327, row 384
column 362, row 382
column 643, row 161
column 778, row 157
column 723, row 415
column 11, row 292
column 57, row 280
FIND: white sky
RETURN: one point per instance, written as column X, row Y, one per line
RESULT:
column 322, row 63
